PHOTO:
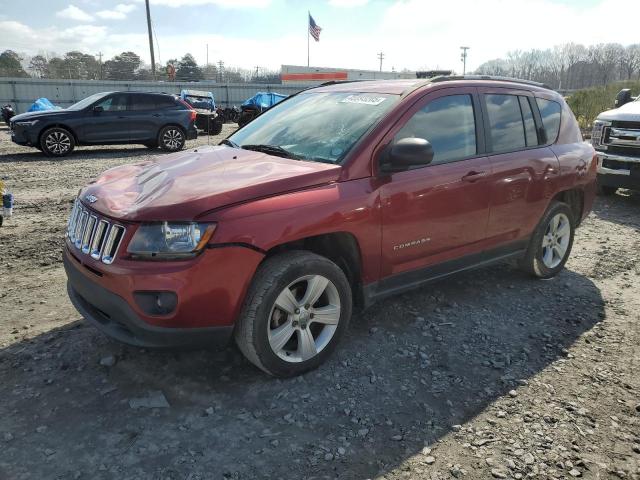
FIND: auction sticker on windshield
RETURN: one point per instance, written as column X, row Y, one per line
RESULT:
column 366, row 99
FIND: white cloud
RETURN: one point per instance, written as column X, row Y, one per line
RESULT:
column 119, row 12
column 219, row 3
column 348, row 3
column 74, row 13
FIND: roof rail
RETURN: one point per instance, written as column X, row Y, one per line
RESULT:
column 337, row 82
column 446, row 78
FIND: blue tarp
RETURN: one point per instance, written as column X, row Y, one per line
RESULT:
column 42, row 104
column 264, row 100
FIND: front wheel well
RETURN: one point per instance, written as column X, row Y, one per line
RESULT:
column 575, row 199
column 58, row 125
column 341, row 248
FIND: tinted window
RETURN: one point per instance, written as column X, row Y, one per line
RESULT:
column 505, row 122
column 550, row 113
column 449, row 125
column 163, row 101
column 115, row 103
column 529, row 122
column 143, row 102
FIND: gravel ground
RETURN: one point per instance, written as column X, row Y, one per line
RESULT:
column 489, row 374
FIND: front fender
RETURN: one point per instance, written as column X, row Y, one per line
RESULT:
column 351, row 207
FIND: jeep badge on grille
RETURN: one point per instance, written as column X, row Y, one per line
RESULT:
column 91, row 198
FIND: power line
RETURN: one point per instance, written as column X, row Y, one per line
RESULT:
column 380, row 57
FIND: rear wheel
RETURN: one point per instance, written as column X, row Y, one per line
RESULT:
column 295, row 312
column 57, row 142
column 551, row 242
column 171, row 138
column 215, row 127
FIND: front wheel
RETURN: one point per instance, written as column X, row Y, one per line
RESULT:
column 295, row 312
column 57, row 142
column 171, row 138
column 606, row 191
column 551, row 242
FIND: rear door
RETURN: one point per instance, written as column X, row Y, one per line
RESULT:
column 144, row 116
column 109, row 125
column 437, row 212
column 524, row 169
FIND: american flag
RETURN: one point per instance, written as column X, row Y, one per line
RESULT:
column 314, row 29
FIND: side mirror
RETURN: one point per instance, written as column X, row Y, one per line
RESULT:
column 623, row 96
column 98, row 109
column 409, row 152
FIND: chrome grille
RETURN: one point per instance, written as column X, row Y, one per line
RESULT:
column 93, row 235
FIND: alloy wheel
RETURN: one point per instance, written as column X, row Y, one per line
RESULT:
column 555, row 241
column 304, row 318
column 58, row 142
column 172, row 139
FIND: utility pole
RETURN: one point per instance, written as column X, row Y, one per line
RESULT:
column 100, row 63
column 257, row 71
column 380, row 57
column 207, row 54
column 153, row 60
column 463, row 58
column 221, row 70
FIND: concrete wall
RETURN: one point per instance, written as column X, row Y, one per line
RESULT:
column 21, row 92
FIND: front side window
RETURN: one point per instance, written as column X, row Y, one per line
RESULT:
column 448, row 124
column 550, row 113
column 505, row 123
column 320, row 127
column 115, row 103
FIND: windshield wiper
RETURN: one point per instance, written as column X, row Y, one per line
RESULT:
column 272, row 150
column 230, row 143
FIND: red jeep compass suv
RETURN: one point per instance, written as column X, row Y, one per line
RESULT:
column 336, row 197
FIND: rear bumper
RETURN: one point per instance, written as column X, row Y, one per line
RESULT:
column 618, row 171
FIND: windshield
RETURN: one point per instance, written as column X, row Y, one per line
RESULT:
column 316, row 126
column 87, row 101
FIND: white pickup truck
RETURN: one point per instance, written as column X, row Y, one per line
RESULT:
column 616, row 138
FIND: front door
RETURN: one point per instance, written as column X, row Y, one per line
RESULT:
column 437, row 212
column 110, row 124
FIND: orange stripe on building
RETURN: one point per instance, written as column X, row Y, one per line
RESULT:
column 313, row 76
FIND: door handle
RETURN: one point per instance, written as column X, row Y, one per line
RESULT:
column 473, row 176
column 157, row 115
column 120, row 117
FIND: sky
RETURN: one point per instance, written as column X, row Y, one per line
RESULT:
column 412, row 34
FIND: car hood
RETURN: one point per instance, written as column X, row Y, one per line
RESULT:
column 185, row 185
column 629, row 112
column 41, row 114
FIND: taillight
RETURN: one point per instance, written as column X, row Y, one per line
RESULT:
column 194, row 114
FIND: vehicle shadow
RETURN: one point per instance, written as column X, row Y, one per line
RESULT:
column 623, row 207
column 409, row 370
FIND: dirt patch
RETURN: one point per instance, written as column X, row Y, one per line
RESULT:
column 486, row 375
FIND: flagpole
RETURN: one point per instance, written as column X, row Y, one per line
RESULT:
column 308, row 34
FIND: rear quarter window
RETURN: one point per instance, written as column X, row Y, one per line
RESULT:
column 165, row 102
column 550, row 113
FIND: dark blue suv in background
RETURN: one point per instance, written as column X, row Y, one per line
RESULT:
column 152, row 119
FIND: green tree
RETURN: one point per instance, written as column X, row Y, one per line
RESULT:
column 10, row 65
column 39, row 65
column 81, row 66
column 188, row 70
column 122, row 67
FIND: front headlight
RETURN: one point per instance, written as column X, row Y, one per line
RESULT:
column 25, row 123
column 168, row 240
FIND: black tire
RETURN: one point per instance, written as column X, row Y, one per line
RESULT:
column 171, row 138
column 274, row 276
column 216, row 127
column 534, row 262
column 151, row 145
column 57, row 142
column 606, row 191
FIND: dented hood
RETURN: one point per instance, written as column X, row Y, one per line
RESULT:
column 184, row 185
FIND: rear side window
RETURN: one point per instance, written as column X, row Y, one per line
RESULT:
column 163, row 101
column 528, row 121
column 505, row 123
column 550, row 113
column 448, row 123
column 143, row 102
